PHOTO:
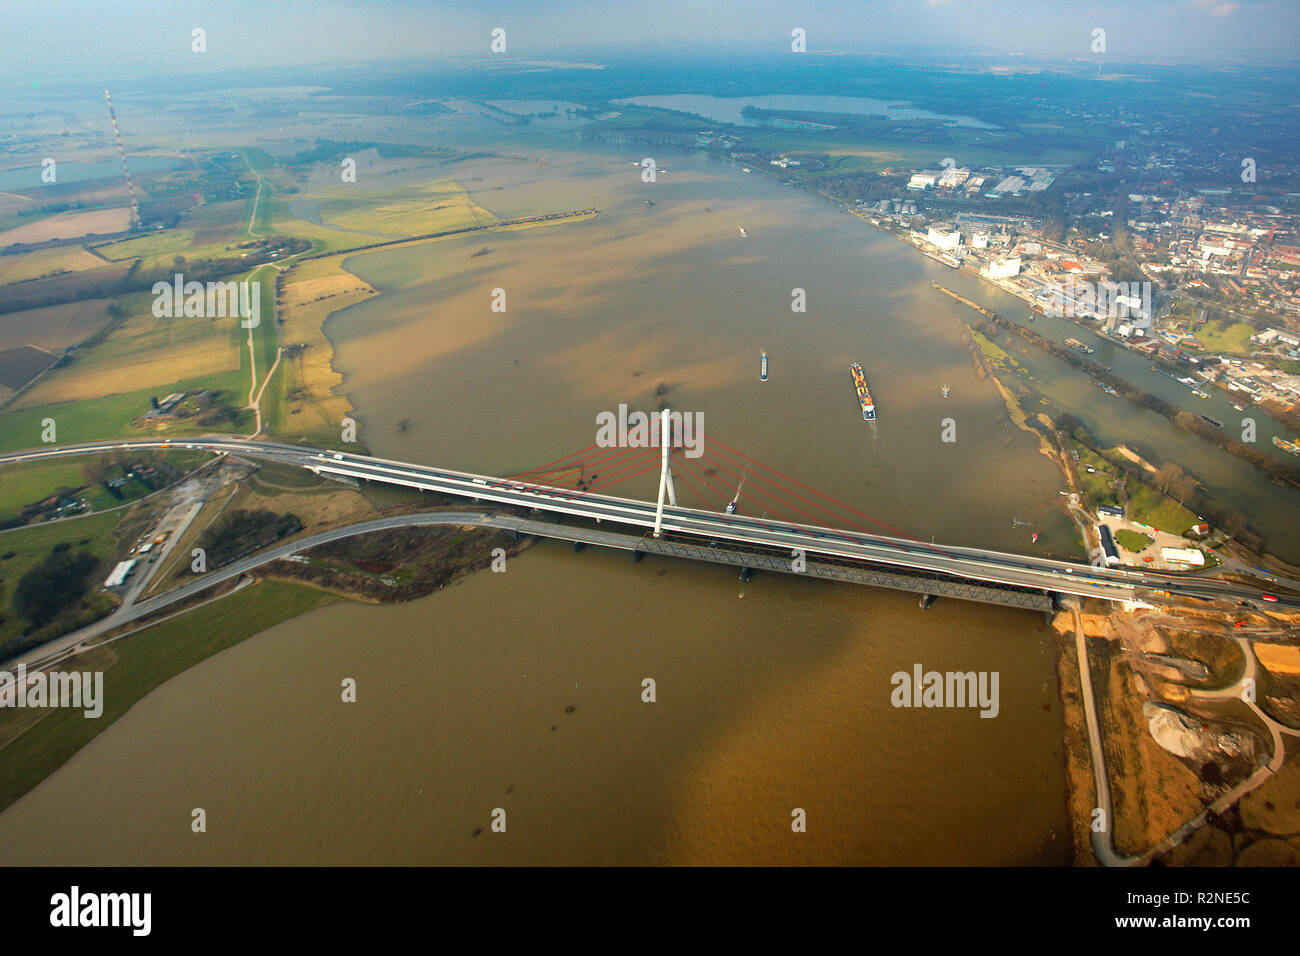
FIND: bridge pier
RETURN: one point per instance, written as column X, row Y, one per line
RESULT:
column 578, row 546
column 637, row 555
column 926, row 601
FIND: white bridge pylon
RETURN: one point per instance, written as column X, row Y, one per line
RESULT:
column 665, row 471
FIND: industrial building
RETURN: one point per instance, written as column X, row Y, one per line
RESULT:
column 1003, row 268
column 1108, row 546
column 942, row 239
column 1189, row 556
column 120, row 573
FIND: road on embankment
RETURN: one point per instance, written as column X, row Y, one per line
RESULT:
column 1024, row 571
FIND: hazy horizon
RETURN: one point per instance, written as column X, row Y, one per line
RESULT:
column 138, row 37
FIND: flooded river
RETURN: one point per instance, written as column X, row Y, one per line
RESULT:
column 768, row 702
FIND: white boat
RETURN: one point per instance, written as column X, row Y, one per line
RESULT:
column 743, row 233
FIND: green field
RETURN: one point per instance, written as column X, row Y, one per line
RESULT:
column 169, row 242
column 29, row 482
column 147, row 660
column 1233, row 340
column 1145, row 504
column 152, row 357
column 1132, row 540
column 109, row 417
column 265, row 345
column 141, row 350
column 1097, row 488
column 1150, row 508
column 264, row 163
column 28, row 546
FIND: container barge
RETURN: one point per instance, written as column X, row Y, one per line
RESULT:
column 864, row 393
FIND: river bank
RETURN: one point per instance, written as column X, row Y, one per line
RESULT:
column 1146, row 666
column 1279, row 472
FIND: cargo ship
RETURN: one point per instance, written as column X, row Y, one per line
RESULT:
column 864, row 394
column 1076, row 344
column 943, row 258
column 1292, row 447
column 762, row 369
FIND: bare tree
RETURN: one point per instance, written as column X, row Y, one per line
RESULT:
column 1168, row 475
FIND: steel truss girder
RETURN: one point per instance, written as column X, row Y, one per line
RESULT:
column 937, row 584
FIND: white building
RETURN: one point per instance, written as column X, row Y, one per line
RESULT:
column 120, row 573
column 1008, row 187
column 923, row 180
column 953, row 177
column 1183, row 556
column 947, row 241
column 1269, row 336
column 1003, row 268
column 1132, row 307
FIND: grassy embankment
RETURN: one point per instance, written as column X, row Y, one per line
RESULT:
column 306, row 387
column 997, row 356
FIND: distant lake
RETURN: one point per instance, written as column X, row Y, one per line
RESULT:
column 728, row 109
column 29, row 177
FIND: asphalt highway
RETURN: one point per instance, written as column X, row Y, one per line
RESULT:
column 1115, row 583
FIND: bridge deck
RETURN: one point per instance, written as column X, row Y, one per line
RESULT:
column 765, row 559
column 918, row 582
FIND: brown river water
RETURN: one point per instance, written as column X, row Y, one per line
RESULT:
column 771, row 695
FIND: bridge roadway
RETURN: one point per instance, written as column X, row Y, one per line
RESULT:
column 1060, row 577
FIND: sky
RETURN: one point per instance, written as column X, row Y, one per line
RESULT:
column 45, row 40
